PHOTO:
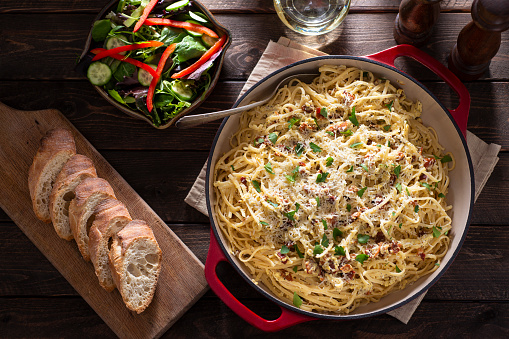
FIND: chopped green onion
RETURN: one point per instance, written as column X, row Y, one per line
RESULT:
column 289, row 178
column 389, row 106
column 356, row 144
column 426, row 185
column 397, row 269
column 350, row 170
column 347, row 132
column 264, row 223
column 272, row 203
column 330, row 133
column 233, row 168
column 365, row 167
column 400, row 224
column 299, row 253
column 317, row 201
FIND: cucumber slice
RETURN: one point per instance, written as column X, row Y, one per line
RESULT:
column 134, row 16
column 198, row 17
column 116, row 41
column 191, row 33
column 182, row 90
column 99, row 73
column 177, row 5
column 144, row 77
column 208, row 40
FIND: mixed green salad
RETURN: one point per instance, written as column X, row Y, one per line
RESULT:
column 154, row 56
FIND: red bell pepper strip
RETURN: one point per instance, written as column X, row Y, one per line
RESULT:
column 116, row 50
column 145, row 14
column 181, row 24
column 160, row 66
column 212, row 50
column 128, row 60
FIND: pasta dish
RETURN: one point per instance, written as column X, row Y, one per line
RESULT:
column 333, row 193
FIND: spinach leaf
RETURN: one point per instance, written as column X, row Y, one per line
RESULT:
column 124, row 70
column 101, row 29
column 189, row 48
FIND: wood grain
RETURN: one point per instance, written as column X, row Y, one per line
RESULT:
column 221, row 6
column 181, row 282
column 81, row 104
column 35, row 54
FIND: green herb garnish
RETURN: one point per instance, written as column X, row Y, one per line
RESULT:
column 356, row 144
column 339, row 250
column 268, row 168
column 398, row 187
column 397, row 269
column 348, row 207
column 299, row 148
column 397, row 170
column 353, row 118
column 336, row 232
column 323, row 112
column 256, row 185
column 350, row 170
column 348, row 132
column 416, row 208
column 361, row 191
column 362, row 238
column 233, row 168
column 315, row 147
column 441, row 195
column 273, row 137
column 295, row 268
column 426, row 185
column 318, row 249
column 317, row 201
column 436, row 232
column 264, row 223
column 297, row 301
column 361, row 257
column 273, row 204
column 284, row 249
column 329, row 162
column 321, row 177
column 389, row 106
column 365, row 167
column 387, row 127
column 325, row 241
column 330, row 133
column 299, row 253
column 445, row 159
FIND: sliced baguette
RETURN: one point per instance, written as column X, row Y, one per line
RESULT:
column 76, row 169
column 135, row 263
column 110, row 217
column 57, row 146
column 89, row 193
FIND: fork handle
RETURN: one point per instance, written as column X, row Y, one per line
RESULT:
column 198, row 119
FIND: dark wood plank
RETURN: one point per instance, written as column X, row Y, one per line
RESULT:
column 89, row 113
column 221, row 6
column 163, row 179
column 71, row 317
column 36, row 49
column 28, row 273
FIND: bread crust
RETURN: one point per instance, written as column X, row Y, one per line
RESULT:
column 88, row 194
column 56, row 143
column 77, row 168
column 135, row 230
column 111, row 216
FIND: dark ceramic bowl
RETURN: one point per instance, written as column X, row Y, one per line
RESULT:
column 215, row 71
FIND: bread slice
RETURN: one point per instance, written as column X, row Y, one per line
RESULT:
column 89, row 193
column 57, row 146
column 77, row 168
column 135, row 263
column 110, row 217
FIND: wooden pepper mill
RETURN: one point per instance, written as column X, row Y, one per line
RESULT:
column 480, row 39
column 415, row 20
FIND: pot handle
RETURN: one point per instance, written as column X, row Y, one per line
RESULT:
column 287, row 317
column 460, row 113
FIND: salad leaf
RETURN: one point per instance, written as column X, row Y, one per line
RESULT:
column 101, row 29
column 189, row 48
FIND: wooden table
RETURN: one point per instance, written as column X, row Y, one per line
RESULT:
column 39, row 43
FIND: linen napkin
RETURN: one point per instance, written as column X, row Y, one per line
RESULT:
column 284, row 52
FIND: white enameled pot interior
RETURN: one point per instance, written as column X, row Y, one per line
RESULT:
column 460, row 194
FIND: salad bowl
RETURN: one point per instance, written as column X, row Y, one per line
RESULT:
column 128, row 92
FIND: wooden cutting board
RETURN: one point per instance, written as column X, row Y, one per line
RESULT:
column 181, row 282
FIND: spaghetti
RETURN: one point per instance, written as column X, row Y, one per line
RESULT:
column 333, row 193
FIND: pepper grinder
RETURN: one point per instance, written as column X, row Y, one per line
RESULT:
column 415, row 20
column 479, row 41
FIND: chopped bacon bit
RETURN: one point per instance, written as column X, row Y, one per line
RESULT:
column 400, row 156
column 304, row 126
column 282, row 257
column 302, row 163
column 395, row 246
column 392, row 179
column 420, row 150
column 428, row 162
column 286, row 275
column 311, row 267
column 290, row 109
column 348, row 97
column 423, row 176
column 355, row 215
column 243, row 180
column 353, row 189
column 346, row 268
column 380, row 237
column 307, row 108
column 422, row 255
column 338, row 127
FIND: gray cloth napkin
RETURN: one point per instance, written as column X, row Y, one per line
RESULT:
column 284, row 52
